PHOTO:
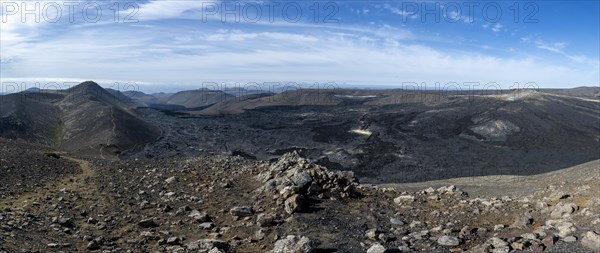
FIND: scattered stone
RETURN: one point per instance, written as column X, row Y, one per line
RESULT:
column 522, row 222
column 448, row 241
column 569, row 239
column 173, row 240
column 295, row 244
column 207, row 244
column 404, row 198
column 447, row 189
column 372, row 234
column 529, row 236
column 259, row 234
column 517, row 245
column 170, row 180
column 591, row 240
column 497, row 242
column 429, row 190
column 216, row 250
column 549, row 241
column 93, row 245
column 377, row 248
column 91, row 220
column 206, row 225
column 198, row 216
column 294, row 204
column 66, row 222
column 414, row 224
column 241, row 211
column 266, row 220
column 396, row 221
column 563, row 209
column 148, row 223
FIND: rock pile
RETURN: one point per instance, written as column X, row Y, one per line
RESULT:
column 292, row 180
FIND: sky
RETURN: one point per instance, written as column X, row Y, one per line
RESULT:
column 173, row 45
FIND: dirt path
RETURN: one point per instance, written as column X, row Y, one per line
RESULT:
column 74, row 183
column 113, row 133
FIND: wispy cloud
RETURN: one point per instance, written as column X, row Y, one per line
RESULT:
column 398, row 11
column 497, row 27
column 455, row 16
column 166, row 9
column 555, row 47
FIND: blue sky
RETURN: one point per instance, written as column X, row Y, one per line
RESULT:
column 172, row 45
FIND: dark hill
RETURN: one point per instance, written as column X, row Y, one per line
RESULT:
column 83, row 118
column 198, row 98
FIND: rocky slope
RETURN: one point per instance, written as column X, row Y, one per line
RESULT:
column 230, row 204
column 387, row 142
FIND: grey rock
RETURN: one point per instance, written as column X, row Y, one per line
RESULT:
column 294, row 244
column 549, row 241
column 448, row 241
column 570, row 239
column 591, row 240
column 170, row 180
column 93, row 245
column 562, row 209
column 301, row 179
column 198, row 216
column 241, row 211
column 497, row 242
column 396, row 221
column 148, row 223
column 294, row 204
column 173, row 240
column 215, row 250
column 266, row 220
column 404, row 198
column 372, row 234
column 522, row 222
column 66, row 222
column 207, row 225
column 377, row 248
column 207, row 244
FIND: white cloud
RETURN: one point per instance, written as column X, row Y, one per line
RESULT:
column 400, row 12
column 166, row 9
column 455, row 16
column 237, row 35
column 497, row 27
column 556, row 47
column 279, row 56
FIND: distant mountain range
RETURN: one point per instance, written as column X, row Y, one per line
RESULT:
column 89, row 118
